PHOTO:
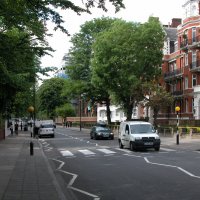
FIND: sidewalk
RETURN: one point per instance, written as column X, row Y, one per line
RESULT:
column 24, row 176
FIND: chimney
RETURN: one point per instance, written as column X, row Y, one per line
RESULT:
column 176, row 22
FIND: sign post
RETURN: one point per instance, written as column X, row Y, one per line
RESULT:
column 177, row 109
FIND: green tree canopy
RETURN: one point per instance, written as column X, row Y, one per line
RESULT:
column 156, row 97
column 50, row 96
column 22, row 40
column 126, row 55
column 79, row 57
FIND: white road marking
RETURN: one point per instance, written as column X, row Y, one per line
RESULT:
column 74, row 177
column 173, row 166
column 132, row 155
column 166, row 149
column 86, row 152
column 66, row 153
column 106, row 151
column 124, row 150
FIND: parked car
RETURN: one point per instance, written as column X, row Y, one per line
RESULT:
column 138, row 134
column 100, row 132
column 46, row 130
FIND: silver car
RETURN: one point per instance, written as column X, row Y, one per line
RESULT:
column 46, row 130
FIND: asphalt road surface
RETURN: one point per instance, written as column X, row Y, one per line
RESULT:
column 97, row 169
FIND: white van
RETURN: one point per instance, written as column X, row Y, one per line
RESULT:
column 138, row 134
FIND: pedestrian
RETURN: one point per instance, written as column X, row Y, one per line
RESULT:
column 16, row 128
column 11, row 128
column 21, row 125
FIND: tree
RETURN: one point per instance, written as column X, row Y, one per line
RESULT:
column 79, row 57
column 126, row 55
column 65, row 111
column 50, row 96
column 156, row 97
column 33, row 15
column 17, row 63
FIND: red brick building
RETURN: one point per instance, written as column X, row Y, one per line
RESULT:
column 181, row 63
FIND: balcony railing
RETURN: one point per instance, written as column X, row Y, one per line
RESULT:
column 177, row 93
column 195, row 66
column 190, row 42
column 173, row 74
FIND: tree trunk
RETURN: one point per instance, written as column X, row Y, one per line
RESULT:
column 108, row 111
column 155, row 116
column 129, row 112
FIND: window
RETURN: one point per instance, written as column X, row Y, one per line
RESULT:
column 186, row 82
column 194, row 34
column 134, row 112
column 193, row 106
column 127, row 129
column 186, row 105
column 194, row 80
column 175, row 67
column 194, row 59
column 186, row 59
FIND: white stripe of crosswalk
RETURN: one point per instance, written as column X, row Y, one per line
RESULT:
column 166, row 149
column 66, row 153
column 106, row 151
column 86, row 152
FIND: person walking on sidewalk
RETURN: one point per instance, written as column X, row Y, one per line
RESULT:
column 11, row 128
column 16, row 128
column 21, row 125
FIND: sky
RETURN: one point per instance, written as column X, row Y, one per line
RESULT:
column 136, row 11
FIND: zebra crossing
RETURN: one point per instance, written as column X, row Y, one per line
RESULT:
column 87, row 152
column 99, row 151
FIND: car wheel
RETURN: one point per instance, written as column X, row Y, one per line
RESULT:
column 157, row 148
column 132, row 147
column 121, row 146
column 112, row 137
column 91, row 137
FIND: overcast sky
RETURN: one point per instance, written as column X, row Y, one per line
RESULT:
column 136, row 11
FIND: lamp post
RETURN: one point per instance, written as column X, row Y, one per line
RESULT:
column 32, row 110
column 177, row 109
column 80, row 108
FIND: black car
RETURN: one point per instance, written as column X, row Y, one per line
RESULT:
column 99, row 132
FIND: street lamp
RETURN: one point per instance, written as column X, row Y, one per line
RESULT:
column 31, row 109
column 177, row 109
column 80, row 107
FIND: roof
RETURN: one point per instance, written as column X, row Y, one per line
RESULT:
column 171, row 33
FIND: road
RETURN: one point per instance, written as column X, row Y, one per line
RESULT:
column 97, row 169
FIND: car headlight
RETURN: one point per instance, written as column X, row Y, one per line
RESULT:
column 157, row 137
column 111, row 133
column 98, row 133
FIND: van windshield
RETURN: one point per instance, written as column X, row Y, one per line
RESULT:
column 142, row 128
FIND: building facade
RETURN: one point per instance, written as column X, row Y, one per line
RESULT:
column 181, row 64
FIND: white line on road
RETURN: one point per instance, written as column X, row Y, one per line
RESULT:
column 86, row 152
column 106, row 151
column 173, row 166
column 166, row 149
column 124, row 150
column 66, row 153
column 74, row 177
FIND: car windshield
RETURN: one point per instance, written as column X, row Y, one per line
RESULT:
column 102, row 129
column 47, row 126
column 142, row 128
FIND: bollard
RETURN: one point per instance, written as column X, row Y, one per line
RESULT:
column 31, row 148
